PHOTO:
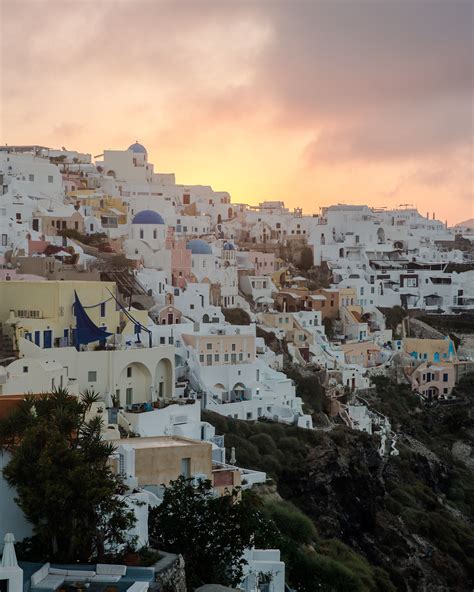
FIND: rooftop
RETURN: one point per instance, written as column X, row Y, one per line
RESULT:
column 157, row 442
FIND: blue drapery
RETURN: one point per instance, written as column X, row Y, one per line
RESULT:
column 86, row 330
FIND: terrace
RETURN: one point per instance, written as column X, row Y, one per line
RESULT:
column 85, row 578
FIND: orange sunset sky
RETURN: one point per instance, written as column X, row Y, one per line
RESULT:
column 310, row 102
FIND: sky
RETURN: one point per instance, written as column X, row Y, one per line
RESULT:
column 311, row 102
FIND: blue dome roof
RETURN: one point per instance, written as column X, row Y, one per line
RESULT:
column 148, row 217
column 137, row 148
column 199, row 247
column 229, row 247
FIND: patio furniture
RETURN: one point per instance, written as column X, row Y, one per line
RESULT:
column 52, row 578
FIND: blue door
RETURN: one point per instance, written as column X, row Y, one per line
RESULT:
column 436, row 357
column 47, row 338
column 37, row 337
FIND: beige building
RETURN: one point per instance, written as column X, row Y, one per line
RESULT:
column 50, row 223
column 158, row 460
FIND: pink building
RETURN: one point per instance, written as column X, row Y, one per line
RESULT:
column 433, row 380
column 264, row 263
column 181, row 264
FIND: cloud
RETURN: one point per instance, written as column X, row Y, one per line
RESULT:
column 328, row 85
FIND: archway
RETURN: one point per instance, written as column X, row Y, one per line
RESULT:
column 219, row 219
column 134, row 384
column 164, row 379
column 220, row 390
column 381, row 236
column 238, row 392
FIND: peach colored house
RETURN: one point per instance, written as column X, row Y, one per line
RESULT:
column 433, row 380
column 365, row 353
column 264, row 263
column 222, row 349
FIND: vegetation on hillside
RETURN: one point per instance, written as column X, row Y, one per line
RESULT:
column 236, row 316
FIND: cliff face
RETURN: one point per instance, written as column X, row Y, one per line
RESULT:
column 388, row 510
column 410, row 515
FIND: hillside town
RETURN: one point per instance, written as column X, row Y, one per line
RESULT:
column 165, row 305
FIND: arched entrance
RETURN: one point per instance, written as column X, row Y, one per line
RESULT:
column 134, row 385
column 164, row 379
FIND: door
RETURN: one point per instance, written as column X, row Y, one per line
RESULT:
column 47, row 338
column 170, row 318
column 37, row 338
column 129, row 396
column 186, row 467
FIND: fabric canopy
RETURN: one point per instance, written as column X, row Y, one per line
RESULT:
column 86, row 330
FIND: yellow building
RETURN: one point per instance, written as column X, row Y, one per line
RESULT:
column 333, row 299
column 430, row 350
column 43, row 311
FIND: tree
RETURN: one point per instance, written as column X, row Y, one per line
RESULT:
column 210, row 532
column 306, row 258
column 328, row 323
column 394, row 316
column 60, row 469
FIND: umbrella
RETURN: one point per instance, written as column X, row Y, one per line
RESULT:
column 9, row 556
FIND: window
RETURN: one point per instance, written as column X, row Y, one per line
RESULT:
column 241, row 357
column 216, row 357
column 233, row 358
column 129, row 372
column 445, row 377
column 92, row 376
column 162, row 341
column 226, row 357
column 50, row 178
column 4, row 240
column 155, row 233
column 25, row 369
column 209, row 345
column 31, row 177
column 201, row 358
column 209, row 359
column 102, row 309
column 141, row 234
column 233, row 347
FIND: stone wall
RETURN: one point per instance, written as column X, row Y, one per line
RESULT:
column 170, row 574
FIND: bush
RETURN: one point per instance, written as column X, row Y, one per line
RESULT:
column 292, row 522
column 264, row 443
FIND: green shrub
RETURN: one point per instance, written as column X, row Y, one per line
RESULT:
column 292, row 522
